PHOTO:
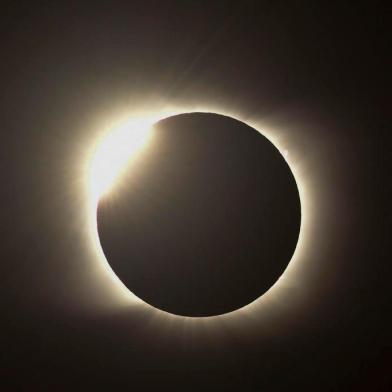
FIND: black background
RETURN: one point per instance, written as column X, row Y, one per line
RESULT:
column 317, row 73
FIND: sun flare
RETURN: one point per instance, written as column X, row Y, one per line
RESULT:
column 115, row 152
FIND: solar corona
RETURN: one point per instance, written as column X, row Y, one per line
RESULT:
column 118, row 163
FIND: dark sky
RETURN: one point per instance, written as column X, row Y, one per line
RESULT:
column 317, row 76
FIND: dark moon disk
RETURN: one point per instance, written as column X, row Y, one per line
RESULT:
column 206, row 218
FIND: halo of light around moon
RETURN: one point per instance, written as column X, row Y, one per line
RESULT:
column 116, row 154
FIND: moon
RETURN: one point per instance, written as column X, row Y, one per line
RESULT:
column 205, row 220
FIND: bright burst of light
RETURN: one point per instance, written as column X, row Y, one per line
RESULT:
column 115, row 152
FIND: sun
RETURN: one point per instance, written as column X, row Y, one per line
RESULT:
column 116, row 148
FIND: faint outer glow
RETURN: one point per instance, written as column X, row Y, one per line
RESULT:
column 109, row 158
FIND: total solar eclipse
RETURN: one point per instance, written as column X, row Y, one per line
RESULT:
column 205, row 220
